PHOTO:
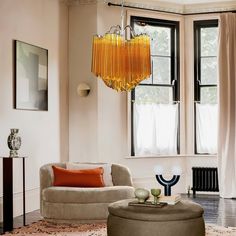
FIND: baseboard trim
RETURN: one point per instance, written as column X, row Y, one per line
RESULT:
column 32, row 202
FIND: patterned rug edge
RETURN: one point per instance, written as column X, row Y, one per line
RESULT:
column 42, row 228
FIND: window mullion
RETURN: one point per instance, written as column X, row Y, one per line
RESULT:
column 172, row 69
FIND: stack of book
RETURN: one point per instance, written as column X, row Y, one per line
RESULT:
column 170, row 200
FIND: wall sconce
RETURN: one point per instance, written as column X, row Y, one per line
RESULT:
column 83, row 90
column 167, row 183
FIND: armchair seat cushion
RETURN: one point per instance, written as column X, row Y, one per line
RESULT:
column 87, row 195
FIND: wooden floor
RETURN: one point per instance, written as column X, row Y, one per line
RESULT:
column 217, row 211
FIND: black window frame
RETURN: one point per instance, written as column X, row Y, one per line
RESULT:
column 197, row 26
column 175, row 71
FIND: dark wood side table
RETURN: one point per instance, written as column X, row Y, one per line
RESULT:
column 8, row 192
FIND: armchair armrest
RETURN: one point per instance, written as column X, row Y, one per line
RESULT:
column 121, row 175
column 46, row 178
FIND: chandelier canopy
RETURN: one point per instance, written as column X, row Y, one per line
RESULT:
column 121, row 64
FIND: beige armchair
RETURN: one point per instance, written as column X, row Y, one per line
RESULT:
column 81, row 205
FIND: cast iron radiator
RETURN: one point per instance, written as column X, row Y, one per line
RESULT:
column 205, row 179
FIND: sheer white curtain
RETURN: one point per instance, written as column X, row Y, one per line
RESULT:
column 227, row 105
column 206, row 127
column 155, row 129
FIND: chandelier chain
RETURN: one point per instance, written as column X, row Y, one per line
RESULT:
column 122, row 17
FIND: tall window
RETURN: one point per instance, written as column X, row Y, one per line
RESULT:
column 205, row 70
column 154, row 105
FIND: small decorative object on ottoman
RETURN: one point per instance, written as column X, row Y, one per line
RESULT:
column 141, row 194
column 155, row 193
column 183, row 219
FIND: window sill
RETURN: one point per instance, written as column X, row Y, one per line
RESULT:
column 172, row 156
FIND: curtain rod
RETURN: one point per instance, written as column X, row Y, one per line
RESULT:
column 171, row 12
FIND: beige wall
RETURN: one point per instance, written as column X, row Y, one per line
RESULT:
column 112, row 115
column 44, row 134
column 82, row 110
column 97, row 122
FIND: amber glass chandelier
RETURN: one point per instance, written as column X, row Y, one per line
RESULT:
column 121, row 64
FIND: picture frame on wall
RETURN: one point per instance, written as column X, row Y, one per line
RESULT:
column 31, row 77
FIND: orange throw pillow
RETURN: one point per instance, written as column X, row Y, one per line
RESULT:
column 78, row 178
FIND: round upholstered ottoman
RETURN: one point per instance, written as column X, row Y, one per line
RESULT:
column 183, row 219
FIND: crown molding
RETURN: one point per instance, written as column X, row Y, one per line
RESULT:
column 81, row 2
column 213, row 7
column 164, row 6
column 180, row 8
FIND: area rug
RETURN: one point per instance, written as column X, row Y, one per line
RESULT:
column 42, row 228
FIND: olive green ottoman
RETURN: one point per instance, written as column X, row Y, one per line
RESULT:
column 183, row 219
